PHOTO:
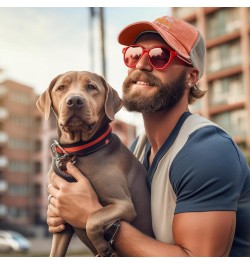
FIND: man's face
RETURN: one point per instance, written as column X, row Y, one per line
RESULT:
column 148, row 90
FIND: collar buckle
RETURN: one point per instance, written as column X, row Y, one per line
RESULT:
column 55, row 154
column 61, row 159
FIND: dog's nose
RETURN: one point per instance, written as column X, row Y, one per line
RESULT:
column 74, row 102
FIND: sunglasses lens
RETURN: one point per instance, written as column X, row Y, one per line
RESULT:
column 159, row 57
column 132, row 56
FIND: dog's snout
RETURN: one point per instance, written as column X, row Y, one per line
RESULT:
column 75, row 102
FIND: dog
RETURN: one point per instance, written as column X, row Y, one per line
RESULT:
column 84, row 105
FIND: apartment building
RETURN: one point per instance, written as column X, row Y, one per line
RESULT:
column 227, row 76
column 20, row 155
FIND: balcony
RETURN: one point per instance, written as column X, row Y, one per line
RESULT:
column 3, row 186
column 3, row 114
column 3, row 210
column 3, row 91
column 3, row 138
column 3, row 162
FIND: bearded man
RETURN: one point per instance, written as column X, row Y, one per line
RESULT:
column 198, row 177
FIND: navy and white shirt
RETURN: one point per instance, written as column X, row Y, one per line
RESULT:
column 199, row 168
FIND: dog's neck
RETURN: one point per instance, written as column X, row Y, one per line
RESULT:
column 63, row 153
column 81, row 148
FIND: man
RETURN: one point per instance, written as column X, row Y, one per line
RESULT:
column 199, row 179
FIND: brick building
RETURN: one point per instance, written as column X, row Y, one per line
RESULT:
column 227, row 75
column 20, row 155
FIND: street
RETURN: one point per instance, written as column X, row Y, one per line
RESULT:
column 40, row 246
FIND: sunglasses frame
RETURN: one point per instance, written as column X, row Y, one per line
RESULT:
column 172, row 52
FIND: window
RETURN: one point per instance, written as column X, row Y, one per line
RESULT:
column 37, row 167
column 14, row 212
column 16, row 166
column 223, row 21
column 232, row 19
column 214, row 60
column 224, row 56
column 231, row 54
column 19, row 144
column 37, row 190
column 226, row 91
column 37, row 146
column 233, row 122
column 18, row 189
column 20, row 97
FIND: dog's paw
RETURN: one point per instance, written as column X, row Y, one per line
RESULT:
column 108, row 252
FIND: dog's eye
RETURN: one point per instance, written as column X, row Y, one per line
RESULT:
column 61, row 87
column 91, row 87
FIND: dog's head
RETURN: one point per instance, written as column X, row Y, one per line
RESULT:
column 82, row 103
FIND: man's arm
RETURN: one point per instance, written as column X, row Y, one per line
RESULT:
column 207, row 234
column 195, row 233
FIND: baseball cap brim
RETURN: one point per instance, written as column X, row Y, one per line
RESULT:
column 128, row 35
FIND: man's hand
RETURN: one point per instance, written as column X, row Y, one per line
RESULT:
column 55, row 223
column 70, row 202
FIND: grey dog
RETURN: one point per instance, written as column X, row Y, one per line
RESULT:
column 85, row 104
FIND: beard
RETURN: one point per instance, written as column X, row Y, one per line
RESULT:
column 166, row 97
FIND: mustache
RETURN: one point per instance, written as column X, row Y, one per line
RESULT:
column 138, row 75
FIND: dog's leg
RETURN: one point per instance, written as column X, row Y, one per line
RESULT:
column 84, row 238
column 100, row 219
column 60, row 242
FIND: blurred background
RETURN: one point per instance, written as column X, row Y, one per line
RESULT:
column 37, row 44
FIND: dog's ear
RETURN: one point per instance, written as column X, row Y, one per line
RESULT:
column 44, row 101
column 113, row 102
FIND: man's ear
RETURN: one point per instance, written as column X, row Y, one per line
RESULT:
column 192, row 76
column 44, row 101
column 113, row 102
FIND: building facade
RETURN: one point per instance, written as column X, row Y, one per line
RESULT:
column 20, row 155
column 227, row 76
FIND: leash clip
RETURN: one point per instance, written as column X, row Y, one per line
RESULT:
column 55, row 153
column 61, row 160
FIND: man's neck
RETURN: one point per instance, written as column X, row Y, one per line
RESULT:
column 159, row 125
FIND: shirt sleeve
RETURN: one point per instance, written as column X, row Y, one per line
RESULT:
column 206, row 174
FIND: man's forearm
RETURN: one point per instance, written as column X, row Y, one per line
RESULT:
column 129, row 242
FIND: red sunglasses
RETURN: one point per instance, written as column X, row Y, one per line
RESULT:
column 159, row 57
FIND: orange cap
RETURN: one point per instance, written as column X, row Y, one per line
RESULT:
column 185, row 39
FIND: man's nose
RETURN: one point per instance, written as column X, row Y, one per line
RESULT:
column 144, row 64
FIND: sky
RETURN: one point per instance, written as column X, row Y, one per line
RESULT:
column 38, row 43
